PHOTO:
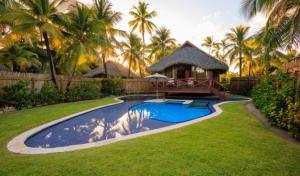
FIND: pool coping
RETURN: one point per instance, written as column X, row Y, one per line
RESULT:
column 17, row 144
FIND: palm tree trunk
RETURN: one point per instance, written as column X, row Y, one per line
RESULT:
column 51, row 63
column 129, row 67
column 240, row 60
column 71, row 77
column 140, row 69
column 104, row 65
column 143, row 52
column 249, row 74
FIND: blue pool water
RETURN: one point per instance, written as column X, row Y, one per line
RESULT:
column 169, row 112
column 129, row 117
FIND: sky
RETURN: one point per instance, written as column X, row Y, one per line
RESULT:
column 192, row 20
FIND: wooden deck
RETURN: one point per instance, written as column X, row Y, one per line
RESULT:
column 193, row 87
column 187, row 90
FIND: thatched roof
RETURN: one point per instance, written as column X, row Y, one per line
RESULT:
column 114, row 69
column 189, row 54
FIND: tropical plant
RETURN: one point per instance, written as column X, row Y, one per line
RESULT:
column 85, row 34
column 132, row 52
column 283, row 16
column 37, row 16
column 112, row 86
column 236, row 45
column 142, row 19
column 208, row 43
column 162, row 44
column 84, row 91
column 18, row 58
column 17, row 95
column 267, row 52
column 105, row 13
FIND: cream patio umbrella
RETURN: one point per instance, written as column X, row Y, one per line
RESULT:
column 157, row 77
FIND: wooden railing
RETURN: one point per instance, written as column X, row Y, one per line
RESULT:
column 193, row 83
column 211, row 85
column 181, row 83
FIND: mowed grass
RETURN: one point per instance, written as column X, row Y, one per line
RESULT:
column 234, row 143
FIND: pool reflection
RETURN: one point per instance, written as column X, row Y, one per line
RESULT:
column 101, row 124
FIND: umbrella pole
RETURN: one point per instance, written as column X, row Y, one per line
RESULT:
column 156, row 88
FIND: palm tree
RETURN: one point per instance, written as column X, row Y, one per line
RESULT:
column 268, row 52
column 37, row 14
column 142, row 21
column 236, row 45
column 104, row 12
column 216, row 50
column 6, row 6
column 162, row 44
column 85, row 34
column 132, row 52
column 18, row 58
column 283, row 15
column 208, row 43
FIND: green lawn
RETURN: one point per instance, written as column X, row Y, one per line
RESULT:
column 235, row 143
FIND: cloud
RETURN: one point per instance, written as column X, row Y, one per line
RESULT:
column 213, row 25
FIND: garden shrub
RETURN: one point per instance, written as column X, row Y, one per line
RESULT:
column 84, row 91
column 112, row 86
column 17, row 95
column 50, row 94
column 273, row 96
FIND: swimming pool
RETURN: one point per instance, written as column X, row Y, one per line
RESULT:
column 126, row 119
column 129, row 117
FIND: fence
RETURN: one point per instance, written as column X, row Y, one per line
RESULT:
column 38, row 80
column 243, row 85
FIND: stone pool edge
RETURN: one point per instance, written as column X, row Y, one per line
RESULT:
column 17, row 144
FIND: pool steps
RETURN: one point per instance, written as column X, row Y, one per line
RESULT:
column 186, row 102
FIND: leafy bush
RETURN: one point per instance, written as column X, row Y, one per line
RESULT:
column 84, row 91
column 112, row 86
column 17, row 95
column 50, row 94
column 273, row 96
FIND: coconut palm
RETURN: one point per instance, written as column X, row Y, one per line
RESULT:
column 236, row 45
column 216, row 50
column 162, row 44
column 6, row 6
column 208, row 43
column 85, row 34
column 18, row 58
column 267, row 51
column 283, row 15
column 142, row 19
column 105, row 13
column 37, row 14
column 132, row 52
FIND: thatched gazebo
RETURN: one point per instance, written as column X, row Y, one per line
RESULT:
column 114, row 69
column 189, row 61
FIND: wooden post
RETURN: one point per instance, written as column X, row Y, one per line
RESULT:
column 32, row 84
column 297, row 95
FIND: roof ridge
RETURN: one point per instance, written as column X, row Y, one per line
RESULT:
column 193, row 45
